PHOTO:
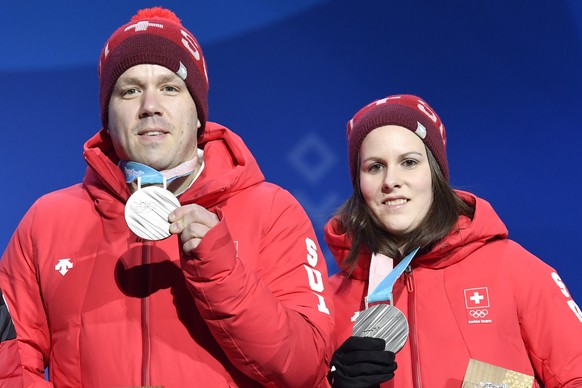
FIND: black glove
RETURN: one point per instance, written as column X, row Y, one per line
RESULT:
column 361, row 362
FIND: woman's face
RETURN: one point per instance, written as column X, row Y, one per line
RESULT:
column 395, row 178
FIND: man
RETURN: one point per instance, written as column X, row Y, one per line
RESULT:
column 174, row 263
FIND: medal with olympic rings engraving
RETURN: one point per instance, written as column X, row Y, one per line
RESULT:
column 147, row 211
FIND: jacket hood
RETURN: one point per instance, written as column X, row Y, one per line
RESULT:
column 465, row 238
column 229, row 168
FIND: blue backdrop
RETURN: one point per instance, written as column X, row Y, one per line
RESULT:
column 504, row 75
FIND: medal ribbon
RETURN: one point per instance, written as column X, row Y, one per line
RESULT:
column 383, row 292
column 150, row 176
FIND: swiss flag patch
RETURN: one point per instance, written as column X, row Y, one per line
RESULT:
column 476, row 297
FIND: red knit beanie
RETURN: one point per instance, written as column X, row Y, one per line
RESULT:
column 154, row 36
column 407, row 111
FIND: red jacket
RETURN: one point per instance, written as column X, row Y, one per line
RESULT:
column 101, row 307
column 9, row 356
column 475, row 295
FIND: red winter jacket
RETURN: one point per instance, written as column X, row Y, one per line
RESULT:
column 10, row 371
column 475, row 295
column 101, row 307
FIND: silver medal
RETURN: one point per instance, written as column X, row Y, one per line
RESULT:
column 383, row 321
column 147, row 210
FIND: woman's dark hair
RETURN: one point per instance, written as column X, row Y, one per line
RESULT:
column 357, row 221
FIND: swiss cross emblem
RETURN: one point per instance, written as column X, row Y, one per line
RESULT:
column 143, row 26
column 477, row 298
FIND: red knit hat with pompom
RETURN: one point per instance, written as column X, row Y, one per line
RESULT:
column 407, row 111
column 154, row 36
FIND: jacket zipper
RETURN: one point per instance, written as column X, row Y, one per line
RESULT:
column 409, row 281
column 145, row 334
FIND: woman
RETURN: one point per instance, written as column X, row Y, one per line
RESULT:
column 468, row 293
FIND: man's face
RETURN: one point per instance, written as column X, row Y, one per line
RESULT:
column 153, row 118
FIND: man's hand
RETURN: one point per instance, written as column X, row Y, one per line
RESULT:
column 361, row 362
column 191, row 222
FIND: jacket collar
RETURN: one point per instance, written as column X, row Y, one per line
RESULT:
column 467, row 236
column 230, row 167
